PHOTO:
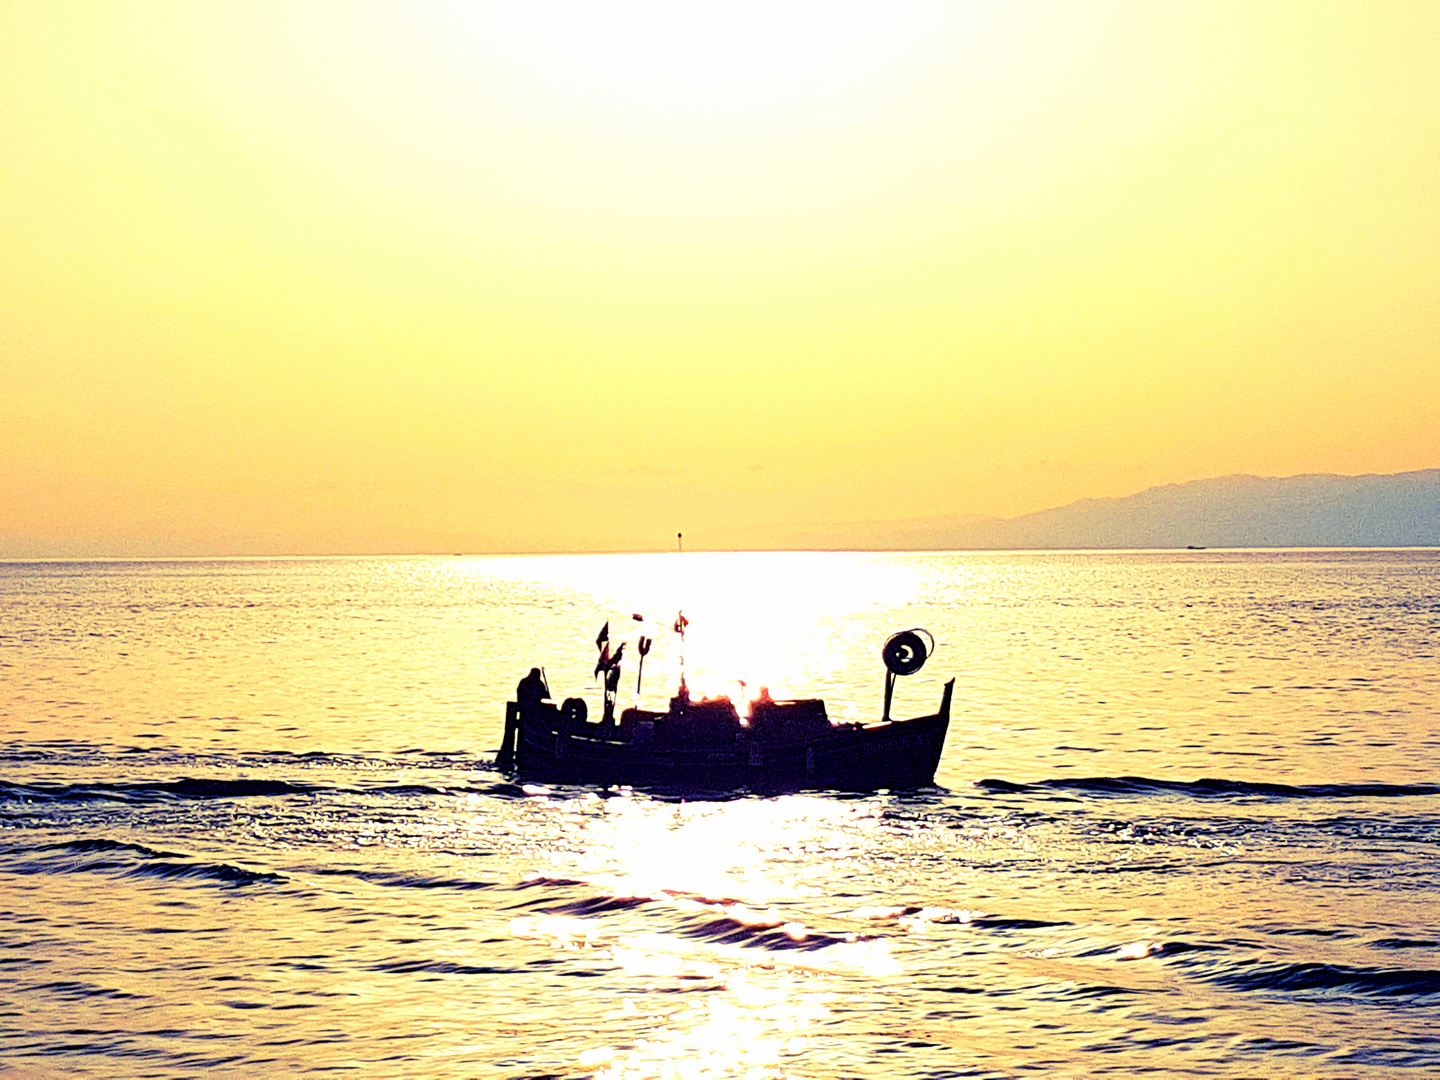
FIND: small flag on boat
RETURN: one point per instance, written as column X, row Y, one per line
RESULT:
column 608, row 663
column 602, row 642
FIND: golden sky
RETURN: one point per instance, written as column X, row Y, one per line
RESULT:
column 451, row 277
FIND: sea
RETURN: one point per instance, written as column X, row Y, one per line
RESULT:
column 1187, row 821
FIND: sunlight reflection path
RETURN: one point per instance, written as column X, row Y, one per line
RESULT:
column 750, row 849
column 726, row 872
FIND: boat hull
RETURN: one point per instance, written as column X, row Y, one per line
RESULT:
column 895, row 754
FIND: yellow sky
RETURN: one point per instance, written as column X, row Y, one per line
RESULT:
column 285, row 277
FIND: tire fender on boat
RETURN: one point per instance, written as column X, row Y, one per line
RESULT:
column 905, row 652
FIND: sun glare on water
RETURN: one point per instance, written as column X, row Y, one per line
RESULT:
column 785, row 621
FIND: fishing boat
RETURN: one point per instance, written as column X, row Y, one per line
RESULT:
column 706, row 745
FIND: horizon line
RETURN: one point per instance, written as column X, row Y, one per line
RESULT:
column 300, row 556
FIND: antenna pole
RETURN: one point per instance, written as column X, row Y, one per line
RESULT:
column 679, row 541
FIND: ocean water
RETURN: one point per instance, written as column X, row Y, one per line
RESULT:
column 1187, row 822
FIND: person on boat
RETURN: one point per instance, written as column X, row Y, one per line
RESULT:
column 531, row 692
column 530, row 697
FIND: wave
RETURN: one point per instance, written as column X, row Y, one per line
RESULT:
column 772, row 936
column 103, row 856
column 399, row 880
column 73, row 990
column 223, row 872
column 151, row 791
column 204, row 789
column 86, row 847
column 995, row 922
column 1332, row 978
column 79, row 754
column 440, row 967
column 1209, row 788
column 533, row 881
column 714, row 922
column 583, row 908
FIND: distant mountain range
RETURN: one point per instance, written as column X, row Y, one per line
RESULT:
column 1320, row 510
column 1395, row 510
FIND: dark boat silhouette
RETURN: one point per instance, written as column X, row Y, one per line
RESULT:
column 705, row 745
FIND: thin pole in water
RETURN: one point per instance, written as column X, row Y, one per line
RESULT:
column 679, row 541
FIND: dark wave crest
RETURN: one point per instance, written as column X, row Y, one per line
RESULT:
column 586, row 906
column 399, row 880
column 190, row 788
column 99, row 855
column 223, row 872
column 89, row 846
column 151, row 791
column 440, row 967
column 1332, row 978
column 718, row 924
column 765, row 935
column 74, row 990
column 1210, row 788
column 545, row 881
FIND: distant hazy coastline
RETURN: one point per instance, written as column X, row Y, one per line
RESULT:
column 1314, row 510
column 1317, row 510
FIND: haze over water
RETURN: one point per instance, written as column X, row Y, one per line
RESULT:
column 1186, row 821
